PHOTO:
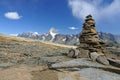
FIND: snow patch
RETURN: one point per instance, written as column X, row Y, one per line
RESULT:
column 43, row 38
column 64, row 39
column 53, row 32
column 35, row 33
column 71, row 35
column 13, row 34
column 46, row 34
column 77, row 40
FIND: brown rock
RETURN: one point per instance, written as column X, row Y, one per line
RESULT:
column 93, row 31
column 84, row 53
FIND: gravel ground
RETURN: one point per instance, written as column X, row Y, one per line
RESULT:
column 18, row 53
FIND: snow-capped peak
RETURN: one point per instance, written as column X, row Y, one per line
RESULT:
column 53, row 32
column 35, row 33
column 64, row 39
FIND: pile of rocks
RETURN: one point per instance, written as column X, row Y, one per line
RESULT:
column 90, row 44
column 89, row 39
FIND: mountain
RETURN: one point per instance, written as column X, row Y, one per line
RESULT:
column 33, row 35
column 70, row 39
column 53, row 37
column 117, row 37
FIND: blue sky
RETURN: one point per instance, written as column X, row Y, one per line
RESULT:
column 67, row 16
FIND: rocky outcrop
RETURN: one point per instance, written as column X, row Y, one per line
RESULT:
column 85, row 69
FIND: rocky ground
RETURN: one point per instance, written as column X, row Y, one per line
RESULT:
column 22, row 59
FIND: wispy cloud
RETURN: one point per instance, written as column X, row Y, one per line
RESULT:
column 12, row 15
column 73, row 28
column 81, row 8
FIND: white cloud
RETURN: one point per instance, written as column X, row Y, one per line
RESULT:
column 81, row 8
column 73, row 28
column 13, row 34
column 12, row 15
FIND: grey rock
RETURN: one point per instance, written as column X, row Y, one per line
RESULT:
column 102, row 59
column 94, row 56
column 97, row 74
column 88, row 74
column 99, row 57
column 71, row 53
column 5, row 65
column 81, row 62
column 114, row 62
column 77, row 53
column 54, row 59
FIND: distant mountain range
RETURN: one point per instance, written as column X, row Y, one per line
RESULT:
column 70, row 39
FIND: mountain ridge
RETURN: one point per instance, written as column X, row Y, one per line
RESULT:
column 70, row 39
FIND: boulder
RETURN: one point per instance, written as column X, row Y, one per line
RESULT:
column 94, row 56
column 73, row 53
column 99, row 57
column 77, row 52
column 102, row 59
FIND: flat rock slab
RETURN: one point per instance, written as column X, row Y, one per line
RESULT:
column 5, row 65
column 84, row 69
column 97, row 74
column 114, row 62
column 82, row 62
column 54, row 59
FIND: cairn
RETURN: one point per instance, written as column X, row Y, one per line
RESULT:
column 89, row 39
column 90, row 44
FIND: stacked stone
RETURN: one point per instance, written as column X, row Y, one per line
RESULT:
column 90, row 44
column 89, row 41
column 89, row 38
